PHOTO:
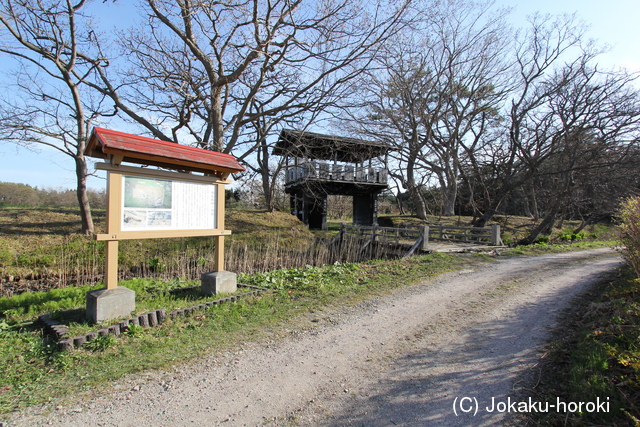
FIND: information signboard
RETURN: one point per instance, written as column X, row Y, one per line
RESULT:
column 150, row 203
column 159, row 204
column 184, row 198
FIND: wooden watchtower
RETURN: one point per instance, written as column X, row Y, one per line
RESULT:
column 321, row 165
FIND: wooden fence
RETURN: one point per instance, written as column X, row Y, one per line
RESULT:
column 416, row 238
column 479, row 235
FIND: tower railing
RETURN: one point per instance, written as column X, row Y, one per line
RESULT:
column 335, row 172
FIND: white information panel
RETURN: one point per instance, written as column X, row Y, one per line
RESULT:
column 159, row 204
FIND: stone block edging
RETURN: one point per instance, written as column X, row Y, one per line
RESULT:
column 147, row 320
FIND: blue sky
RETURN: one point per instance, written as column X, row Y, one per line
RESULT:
column 613, row 22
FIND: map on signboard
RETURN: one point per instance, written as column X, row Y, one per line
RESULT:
column 158, row 204
column 147, row 193
column 134, row 218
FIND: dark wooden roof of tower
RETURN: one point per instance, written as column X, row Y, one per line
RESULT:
column 326, row 147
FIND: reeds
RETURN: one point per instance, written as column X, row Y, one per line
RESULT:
column 79, row 262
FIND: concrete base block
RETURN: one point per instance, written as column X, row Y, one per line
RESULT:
column 107, row 304
column 218, row 282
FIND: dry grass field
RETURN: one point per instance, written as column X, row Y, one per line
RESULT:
column 42, row 248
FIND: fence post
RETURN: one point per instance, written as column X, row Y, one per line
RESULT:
column 441, row 231
column 425, row 237
column 495, row 235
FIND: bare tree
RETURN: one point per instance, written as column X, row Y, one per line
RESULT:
column 595, row 124
column 558, row 93
column 264, row 167
column 202, row 64
column 204, row 73
column 441, row 88
column 50, row 41
column 393, row 117
column 207, row 73
column 260, row 133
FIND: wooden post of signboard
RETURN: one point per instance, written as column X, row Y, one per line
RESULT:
column 112, row 301
column 111, row 264
column 219, row 240
column 114, row 197
column 219, row 280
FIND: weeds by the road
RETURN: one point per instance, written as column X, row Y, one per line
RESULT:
column 545, row 248
column 596, row 360
column 41, row 248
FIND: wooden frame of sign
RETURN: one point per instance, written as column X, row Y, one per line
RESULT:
column 117, row 208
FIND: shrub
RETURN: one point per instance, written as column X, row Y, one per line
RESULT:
column 630, row 232
column 100, row 343
column 572, row 237
column 134, row 330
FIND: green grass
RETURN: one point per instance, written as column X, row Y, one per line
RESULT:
column 544, row 248
column 597, row 355
column 32, row 370
column 66, row 305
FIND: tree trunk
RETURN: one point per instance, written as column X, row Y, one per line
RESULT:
column 267, row 188
column 414, row 192
column 546, row 226
column 583, row 224
column 494, row 204
column 79, row 159
column 449, row 195
column 491, row 210
column 418, row 202
column 536, row 212
column 397, row 195
column 526, row 207
column 399, row 202
column 216, row 120
column 563, row 215
column 81, row 192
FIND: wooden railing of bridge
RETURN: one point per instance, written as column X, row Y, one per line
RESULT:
column 418, row 238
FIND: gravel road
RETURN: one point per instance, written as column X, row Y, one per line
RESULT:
column 399, row 360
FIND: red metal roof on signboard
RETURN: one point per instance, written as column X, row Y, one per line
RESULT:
column 148, row 151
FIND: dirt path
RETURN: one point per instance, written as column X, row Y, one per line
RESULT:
column 402, row 360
